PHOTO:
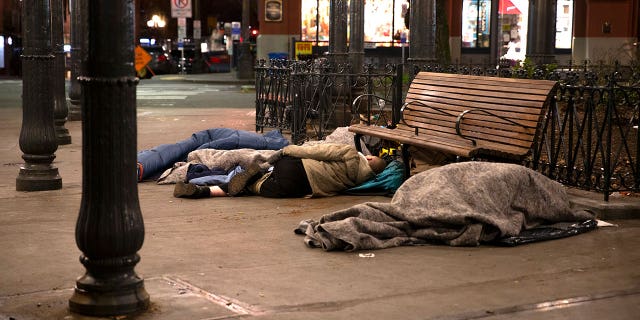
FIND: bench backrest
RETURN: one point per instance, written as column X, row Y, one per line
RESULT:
column 521, row 103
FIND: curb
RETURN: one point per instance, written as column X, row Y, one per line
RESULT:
column 615, row 209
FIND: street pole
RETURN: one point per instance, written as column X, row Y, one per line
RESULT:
column 79, row 42
column 37, row 135
column 60, row 109
column 356, row 39
column 245, row 58
column 422, row 37
column 109, row 229
column 541, row 35
column 338, row 31
column 338, row 56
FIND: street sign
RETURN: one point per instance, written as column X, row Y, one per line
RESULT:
column 196, row 29
column 142, row 58
column 304, row 48
column 182, row 28
column 180, row 8
column 235, row 30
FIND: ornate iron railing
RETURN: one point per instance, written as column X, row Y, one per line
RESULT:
column 311, row 98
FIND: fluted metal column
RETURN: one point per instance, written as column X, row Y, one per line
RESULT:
column 60, row 109
column 356, row 37
column 110, row 229
column 542, row 30
column 37, row 135
column 338, row 30
column 245, row 58
column 422, row 31
column 79, row 14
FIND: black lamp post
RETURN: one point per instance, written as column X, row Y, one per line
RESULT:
column 60, row 110
column 422, row 41
column 79, row 43
column 245, row 57
column 37, row 135
column 110, row 229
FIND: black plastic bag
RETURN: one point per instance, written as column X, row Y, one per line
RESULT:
column 547, row 232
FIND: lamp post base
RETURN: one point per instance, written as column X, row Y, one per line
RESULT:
column 100, row 298
column 38, row 178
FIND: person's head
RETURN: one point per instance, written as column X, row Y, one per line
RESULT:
column 376, row 164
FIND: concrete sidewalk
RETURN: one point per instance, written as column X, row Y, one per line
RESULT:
column 230, row 258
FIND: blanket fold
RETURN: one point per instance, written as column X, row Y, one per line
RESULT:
column 462, row 204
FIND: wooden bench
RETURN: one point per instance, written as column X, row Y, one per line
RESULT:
column 466, row 116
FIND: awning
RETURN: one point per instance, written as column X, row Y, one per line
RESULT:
column 507, row 7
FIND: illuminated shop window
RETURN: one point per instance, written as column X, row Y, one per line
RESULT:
column 564, row 24
column 513, row 19
column 310, row 15
column 476, row 20
column 1, row 51
column 383, row 21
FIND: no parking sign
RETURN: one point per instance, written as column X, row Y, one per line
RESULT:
column 181, row 8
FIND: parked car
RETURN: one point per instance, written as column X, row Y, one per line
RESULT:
column 218, row 61
column 161, row 62
column 188, row 59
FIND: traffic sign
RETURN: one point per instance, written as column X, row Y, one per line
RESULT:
column 180, row 8
column 142, row 58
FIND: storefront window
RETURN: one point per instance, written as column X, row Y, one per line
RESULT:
column 310, row 15
column 476, row 20
column 564, row 24
column 383, row 21
column 513, row 21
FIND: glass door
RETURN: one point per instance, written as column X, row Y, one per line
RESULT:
column 512, row 21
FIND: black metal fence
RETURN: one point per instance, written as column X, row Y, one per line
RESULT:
column 311, row 98
column 589, row 138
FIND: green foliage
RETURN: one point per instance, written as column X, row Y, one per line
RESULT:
column 529, row 68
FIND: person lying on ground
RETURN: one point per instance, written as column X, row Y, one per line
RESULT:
column 296, row 171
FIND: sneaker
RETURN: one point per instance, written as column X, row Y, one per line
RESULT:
column 190, row 190
column 239, row 181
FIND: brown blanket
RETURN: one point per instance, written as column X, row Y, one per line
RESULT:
column 462, row 204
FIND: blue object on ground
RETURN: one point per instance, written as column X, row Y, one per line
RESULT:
column 215, row 179
column 387, row 181
column 153, row 162
column 278, row 55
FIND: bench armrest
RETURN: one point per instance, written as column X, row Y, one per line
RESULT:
column 356, row 102
column 464, row 113
column 407, row 105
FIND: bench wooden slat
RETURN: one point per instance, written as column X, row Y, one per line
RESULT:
column 479, row 93
column 428, row 93
column 505, row 115
column 496, row 81
column 454, row 111
column 400, row 134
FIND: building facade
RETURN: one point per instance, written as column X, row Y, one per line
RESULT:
column 480, row 31
column 10, row 37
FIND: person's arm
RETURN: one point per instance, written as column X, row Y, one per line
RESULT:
column 321, row 152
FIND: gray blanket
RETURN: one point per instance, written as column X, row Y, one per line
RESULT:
column 213, row 158
column 462, row 204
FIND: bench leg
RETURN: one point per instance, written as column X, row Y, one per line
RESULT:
column 406, row 159
column 356, row 140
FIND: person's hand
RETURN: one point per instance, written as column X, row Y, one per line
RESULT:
column 275, row 157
